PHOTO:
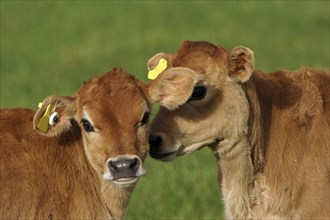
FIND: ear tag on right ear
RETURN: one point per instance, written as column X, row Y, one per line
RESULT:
column 44, row 120
column 162, row 64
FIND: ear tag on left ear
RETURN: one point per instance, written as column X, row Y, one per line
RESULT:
column 44, row 120
column 162, row 64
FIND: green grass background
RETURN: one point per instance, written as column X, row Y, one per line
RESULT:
column 50, row 47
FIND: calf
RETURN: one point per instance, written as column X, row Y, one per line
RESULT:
column 86, row 157
column 270, row 133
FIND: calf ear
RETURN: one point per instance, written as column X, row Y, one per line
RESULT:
column 240, row 64
column 153, row 61
column 158, row 64
column 173, row 87
column 54, row 115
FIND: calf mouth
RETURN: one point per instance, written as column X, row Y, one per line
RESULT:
column 163, row 156
column 125, row 181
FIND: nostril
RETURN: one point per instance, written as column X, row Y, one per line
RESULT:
column 112, row 166
column 134, row 164
column 155, row 141
column 124, row 165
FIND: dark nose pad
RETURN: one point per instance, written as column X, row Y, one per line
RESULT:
column 155, row 142
column 124, row 167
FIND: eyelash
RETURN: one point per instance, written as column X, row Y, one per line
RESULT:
column 145, row 118
column 199, row 93
column 87, row 125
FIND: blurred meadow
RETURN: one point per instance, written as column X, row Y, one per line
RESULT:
column 51, row 47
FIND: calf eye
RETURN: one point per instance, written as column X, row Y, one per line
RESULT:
column 145, row 118
column 198, row 93
column 53, row 119
column 87, row 125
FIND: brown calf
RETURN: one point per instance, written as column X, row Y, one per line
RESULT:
column 85, row 162
column 270, row 133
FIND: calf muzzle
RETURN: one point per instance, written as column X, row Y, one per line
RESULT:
column 155, row 143
column 124, row 167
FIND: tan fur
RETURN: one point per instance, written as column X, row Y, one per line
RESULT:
column 270, row 133
column 183, row 77
column 58, row 175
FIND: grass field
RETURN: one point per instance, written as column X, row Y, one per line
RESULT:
column 50, row 47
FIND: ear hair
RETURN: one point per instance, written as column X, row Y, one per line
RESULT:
column 240, row 64
column 153, row 61
column 173, row 87
column 65, row 108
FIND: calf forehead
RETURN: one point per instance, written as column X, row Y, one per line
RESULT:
column 206, row 59
column 199, row 54
column 115, row 94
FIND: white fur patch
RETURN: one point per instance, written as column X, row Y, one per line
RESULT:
column 87, row 117
column 107, row 176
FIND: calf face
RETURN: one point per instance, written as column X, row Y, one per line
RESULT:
column 111, row 112
column 201, row 100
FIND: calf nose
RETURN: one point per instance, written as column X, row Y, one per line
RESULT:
column 124, row 167
column 154, row 142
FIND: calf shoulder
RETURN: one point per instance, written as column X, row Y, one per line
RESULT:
column 294, row 116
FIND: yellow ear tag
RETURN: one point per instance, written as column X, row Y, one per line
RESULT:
column 162, row 64
column 44, row 120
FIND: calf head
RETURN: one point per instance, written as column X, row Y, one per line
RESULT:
column 112, row 111
column 201, row 98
